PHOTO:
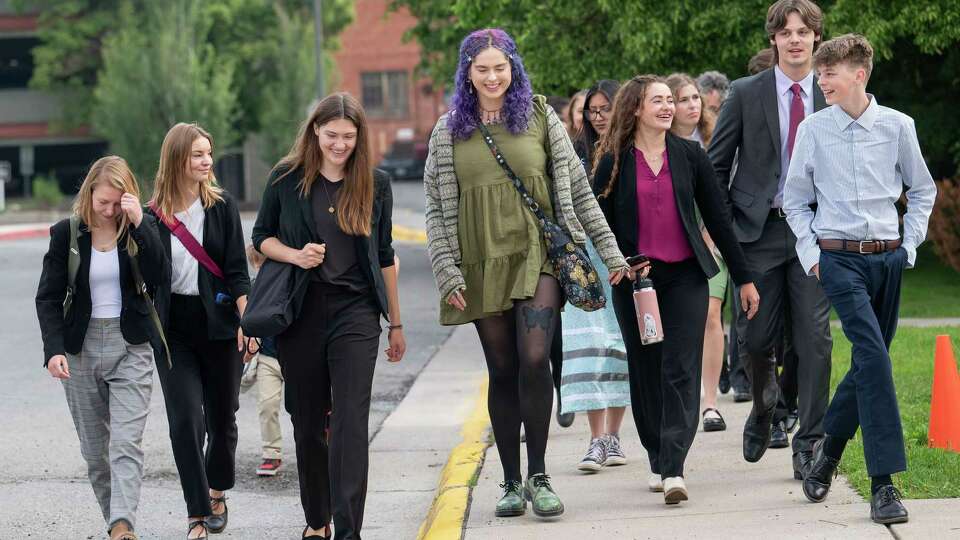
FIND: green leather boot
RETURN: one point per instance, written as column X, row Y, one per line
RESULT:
column 512, row 503
column 545, row 502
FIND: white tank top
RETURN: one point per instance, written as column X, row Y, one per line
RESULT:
column 105, row 284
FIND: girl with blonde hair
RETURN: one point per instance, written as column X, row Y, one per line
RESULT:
column 200, row 307
column 96, row 329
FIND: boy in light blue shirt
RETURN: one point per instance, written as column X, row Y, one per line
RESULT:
column 850, row 164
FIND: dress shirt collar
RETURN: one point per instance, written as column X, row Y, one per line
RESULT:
column 784, row 83
column 866, row 120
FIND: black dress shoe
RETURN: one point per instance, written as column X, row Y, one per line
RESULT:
column 790, row 422
column 742, row 395
column 218, row 522
column 778, row 436
column 724, row 385
column 756, row 437
column 565, row 419
column 885, row 506
column 801, row 464
column 816, row 484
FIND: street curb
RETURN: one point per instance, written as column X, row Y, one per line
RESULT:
column 448, row 513
column 400, row 233
column 408, row 234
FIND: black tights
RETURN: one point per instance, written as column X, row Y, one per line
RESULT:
column 516, row 344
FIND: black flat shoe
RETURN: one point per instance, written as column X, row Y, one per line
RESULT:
column 791, row 421
column 886, row 508
column 216, row 523
column 199, row 523
column 816, row 484
column 713, row 423
column 801, row 464
column 778, row 436
column 566, row 419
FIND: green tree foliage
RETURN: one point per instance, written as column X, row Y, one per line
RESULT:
column 243, row 33
column 160, row 69
column 568, row 44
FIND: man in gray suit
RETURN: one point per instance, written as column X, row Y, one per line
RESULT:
column 759, row 119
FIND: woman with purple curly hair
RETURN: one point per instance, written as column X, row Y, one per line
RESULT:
column 487, row 250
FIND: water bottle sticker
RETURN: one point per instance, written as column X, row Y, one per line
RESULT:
column 649, row 326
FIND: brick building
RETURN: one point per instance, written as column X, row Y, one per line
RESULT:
column 377, row 67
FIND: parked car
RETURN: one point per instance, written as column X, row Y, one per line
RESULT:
column 405, row 160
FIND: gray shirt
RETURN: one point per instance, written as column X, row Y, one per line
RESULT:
column 855, row 171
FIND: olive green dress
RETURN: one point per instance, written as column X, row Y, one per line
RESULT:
column 502, row 247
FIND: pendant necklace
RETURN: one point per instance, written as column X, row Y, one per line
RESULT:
column 330, row 208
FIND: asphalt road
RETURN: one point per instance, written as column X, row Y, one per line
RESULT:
column 43, row 484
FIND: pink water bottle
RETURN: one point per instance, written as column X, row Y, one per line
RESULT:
column 648, row 311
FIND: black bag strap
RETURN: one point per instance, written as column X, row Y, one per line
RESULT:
column 142, row 290
column 73, row 264
column 524, row 194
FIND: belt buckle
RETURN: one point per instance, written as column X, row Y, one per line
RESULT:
column 862, row 242
column 780, row 213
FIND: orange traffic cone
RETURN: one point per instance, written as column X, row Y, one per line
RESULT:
column 944, row 429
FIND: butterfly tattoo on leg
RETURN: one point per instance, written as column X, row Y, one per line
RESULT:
column 533, row 318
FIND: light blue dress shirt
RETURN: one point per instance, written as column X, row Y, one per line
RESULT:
column 855, row 171
column 784, row 98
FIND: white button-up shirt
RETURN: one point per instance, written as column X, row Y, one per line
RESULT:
column 784, row 99
column 185, row 279
column 855, row 171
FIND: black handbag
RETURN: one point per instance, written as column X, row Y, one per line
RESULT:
column 273, row 301
column 572, row 265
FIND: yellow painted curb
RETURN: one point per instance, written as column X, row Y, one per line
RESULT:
column 408, row 234
column 450, row 506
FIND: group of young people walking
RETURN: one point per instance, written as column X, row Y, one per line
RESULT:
column 125, row 288
column 800, row 168
column 790, row 193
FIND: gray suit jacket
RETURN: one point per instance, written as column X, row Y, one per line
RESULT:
column 749, row 122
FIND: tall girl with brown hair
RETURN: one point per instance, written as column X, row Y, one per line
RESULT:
column 650, row 184
column 200, row 308
column 98, row 342
column 327, row 212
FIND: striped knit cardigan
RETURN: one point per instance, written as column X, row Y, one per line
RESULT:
column 575, row 207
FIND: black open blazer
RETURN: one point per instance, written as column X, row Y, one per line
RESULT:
column 285, row 215
column 65, row 335
column 223, row 241
column 694, row 185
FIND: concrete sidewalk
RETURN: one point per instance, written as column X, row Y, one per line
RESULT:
column 729, row 498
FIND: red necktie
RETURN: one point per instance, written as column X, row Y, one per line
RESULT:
column 796, row 116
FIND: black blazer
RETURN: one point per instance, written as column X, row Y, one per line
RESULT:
column 65, row 335
column 223, row 241
column 754, row 131
column 285, row 215
column 694, row 185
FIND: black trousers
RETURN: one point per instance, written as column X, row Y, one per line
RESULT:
column 783, row 284
column 327, row 357
column 201, row 394
column 665, row 377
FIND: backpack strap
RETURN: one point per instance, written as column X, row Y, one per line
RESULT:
column 142, row 291
column 73, row 264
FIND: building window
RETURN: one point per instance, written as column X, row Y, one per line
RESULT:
column 385, row 94
column 16, row 61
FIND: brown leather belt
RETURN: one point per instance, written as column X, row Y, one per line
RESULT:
column 859, row 246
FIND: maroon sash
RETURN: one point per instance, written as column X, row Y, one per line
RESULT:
column 189, row 242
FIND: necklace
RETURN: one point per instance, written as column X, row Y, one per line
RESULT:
column 490, row 117
column 330, row 208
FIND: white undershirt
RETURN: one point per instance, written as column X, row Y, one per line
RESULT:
column 105, row 284
column 184, row 265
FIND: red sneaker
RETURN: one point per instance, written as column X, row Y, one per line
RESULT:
column 269, row 467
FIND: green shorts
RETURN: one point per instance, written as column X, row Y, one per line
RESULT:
column 718, row 283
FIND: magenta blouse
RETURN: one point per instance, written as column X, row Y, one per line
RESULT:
column 660, row 233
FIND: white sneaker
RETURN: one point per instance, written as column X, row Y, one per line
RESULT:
column 674, row 490
column 654, row 483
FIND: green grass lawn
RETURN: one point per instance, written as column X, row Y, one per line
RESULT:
column 931, row 473
column 930, row 290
